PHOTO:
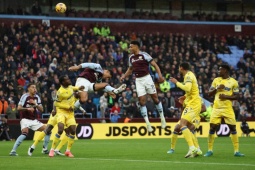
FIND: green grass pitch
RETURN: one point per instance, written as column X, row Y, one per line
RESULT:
column 132, row 154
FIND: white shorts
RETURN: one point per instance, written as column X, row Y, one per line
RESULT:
column 31, row 124
column 145, row 85
column 88, row 86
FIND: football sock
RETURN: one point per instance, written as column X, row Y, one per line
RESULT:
column 46, row 141
column 194, row 139
column 38, row 139
column 108, row 88
column 211, row 138
column 144, row 114
column 55, row 141
column 70, row 142
column 235, row 141
column 160, row 109
column 77, row 104
column 62, row 142
column 19, row 141
column 187, row 135
column 174, row 140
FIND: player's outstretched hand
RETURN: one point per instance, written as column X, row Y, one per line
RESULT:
column 181, row 99
column 81, row 88
column 122, row 77
column 73, row 68
column 173, row 80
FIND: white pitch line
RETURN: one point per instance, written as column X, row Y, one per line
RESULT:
column 148, row 161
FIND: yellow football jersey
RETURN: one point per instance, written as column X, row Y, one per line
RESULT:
column 190, row 87
column 231, row 86
column 65, row 98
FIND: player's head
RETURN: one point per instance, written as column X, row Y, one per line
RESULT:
column 31, row 88
column 64, row 80
column 184, row 67
column 134, row 46
column 107, row 74
column 224, row 70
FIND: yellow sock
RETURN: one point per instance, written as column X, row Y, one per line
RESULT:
column 62, row 142
column 187, row 135
column 70, row 142
column 38, row 139
column 174, row 140
column 55, row 141
column 211, row 138
column 194, row 139
column 235, row 142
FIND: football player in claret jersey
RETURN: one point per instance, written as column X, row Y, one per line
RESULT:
column 139, row 63
column 192, row 104
column 225, row 89
column 28, row 106
column 65, row 113
column 91, row 78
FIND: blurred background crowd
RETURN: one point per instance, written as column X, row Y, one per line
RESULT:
column 40, row 53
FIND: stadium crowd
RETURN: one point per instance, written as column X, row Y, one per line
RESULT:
column 41, row 53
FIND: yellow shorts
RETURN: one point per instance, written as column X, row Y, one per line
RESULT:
column 66, row 118
column 191, row 113
column 52, row 120
column 227, row 114
column 195, row 122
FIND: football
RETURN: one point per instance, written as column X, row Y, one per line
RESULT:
column 61, row 8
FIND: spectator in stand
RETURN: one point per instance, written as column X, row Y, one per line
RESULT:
column 12, row 111
column 116, row 107
column 105, row 30
column 103, row 106
column 53, row 65
column 115, row 117
column 245, row 128
column 36, row 9
column 3, row 105
column 4, row 130
column 90, row 107
column 96, row 29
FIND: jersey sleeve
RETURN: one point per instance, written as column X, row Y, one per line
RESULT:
column 214, row 84
column 75, row 88
column 22, row 100
column 94, row 66
column 187, row 84
column 147, row 57
column 129, row 63
column 236, row 87
column 39, row 101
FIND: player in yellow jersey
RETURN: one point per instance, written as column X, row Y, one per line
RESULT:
column 192, row 128
column 225, row 89
column 65, row 109
column 47, row 132
column 192, row 105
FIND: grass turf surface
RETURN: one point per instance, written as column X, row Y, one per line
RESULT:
column 135, row 154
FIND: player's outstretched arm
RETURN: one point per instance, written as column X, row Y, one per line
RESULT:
column 128, row 73
column 155, row 65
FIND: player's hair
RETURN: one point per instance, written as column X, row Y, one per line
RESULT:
column 185, row 66
column 135, row 43
column 30, row 84
column 111, row 72
column 225, row 66
column 62, row 79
